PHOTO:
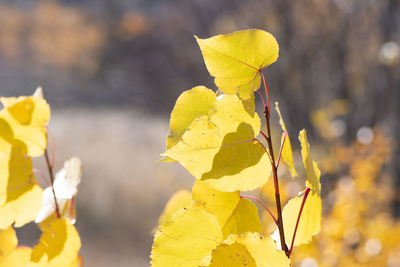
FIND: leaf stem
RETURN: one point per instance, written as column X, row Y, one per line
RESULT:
column 274, row 174
column 38, row 172
column 262, row 203
column 50, row 168
column 298, row 218
column 266, row 91
column 262, row 98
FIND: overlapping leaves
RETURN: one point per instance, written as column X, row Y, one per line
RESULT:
column 193, row 234
column 23, row 135
column 215, row 142
column 214, row 138
column 23, row 123
column 58, row 246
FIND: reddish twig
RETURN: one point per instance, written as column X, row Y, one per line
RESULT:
column 274, row 173
column 50, row 168
column 39, row 172
column 262, row 98
column 266, row 91
column 262, row 203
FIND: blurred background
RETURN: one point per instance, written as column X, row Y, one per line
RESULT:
column 112, row 70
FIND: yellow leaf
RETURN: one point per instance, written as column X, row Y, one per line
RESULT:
column 22, row 194
column 6, row 140
column 18, row 257
column 234, row 215
column 198, row 146
column 58, row 246
column 28, row 117
column 236, row 59
column 181, row 199
column 8, row 241
column 190, row 105
column 312, row 170
column 185, row 239
column 249, row 249
column 10, row 255
column 220, row 147
column 310, row 220
column 287, row 153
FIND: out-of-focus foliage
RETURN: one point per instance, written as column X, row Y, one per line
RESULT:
column 358, row 226
column 51, row 34
column 23, row 134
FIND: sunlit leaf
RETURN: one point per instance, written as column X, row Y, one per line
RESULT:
column 18, row 257
column 312, row 170
column 220, row 148
column 8, row 241
column 6, row 141
column 235, row 215
column 310, row 220
column 190, row 105
column 235, row 59
column 65, row 187
column 23, row 194
column 181, row 199
column 186, row 238
column 287, row 153
column 58, row 245
column 28, row 117
column 10, row 254
column 249, row 249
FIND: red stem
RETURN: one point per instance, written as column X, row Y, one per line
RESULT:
column 38, row 172
column 298, row 218
column 50, row 168
column 275, row 174
column 266, row 138
column 263, row 134
column 262, row 203
column 266, row 91
column 262, row 98
column 280, row 151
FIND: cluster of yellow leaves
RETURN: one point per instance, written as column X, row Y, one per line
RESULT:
column 359, row 229
column 211, row 226
column 23, row 135
column 58, row 246
column 214, row 137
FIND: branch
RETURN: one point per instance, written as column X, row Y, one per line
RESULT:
column 275, row 175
